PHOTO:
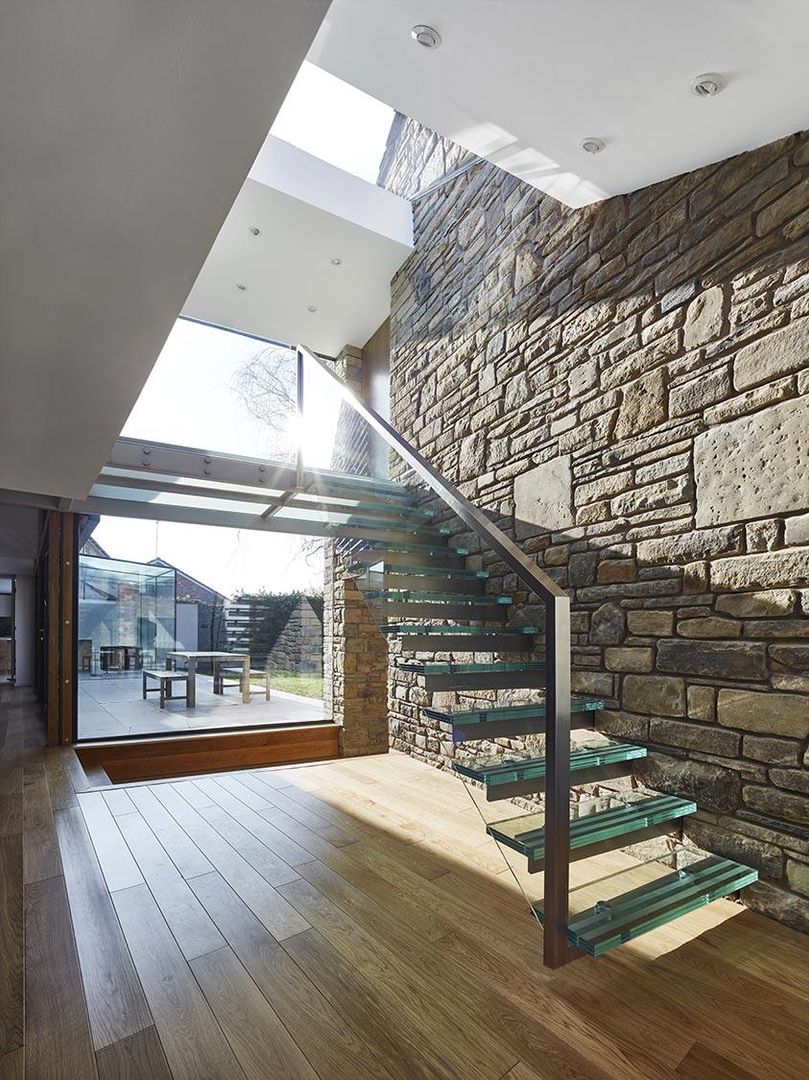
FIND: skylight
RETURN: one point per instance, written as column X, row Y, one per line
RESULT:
column 198, row 394
column 335, row 122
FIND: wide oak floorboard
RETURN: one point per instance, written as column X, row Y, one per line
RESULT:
column 343, row 920
column 195, row 1046
column 58, row 1040
column 136, row 1058
column 12, row 1065
column 115, row 999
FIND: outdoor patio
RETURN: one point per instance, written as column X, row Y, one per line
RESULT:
column 113, row 705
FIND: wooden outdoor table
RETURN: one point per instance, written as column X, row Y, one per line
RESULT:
column 192, row 658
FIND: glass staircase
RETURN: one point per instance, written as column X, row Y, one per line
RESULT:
column 551, row 790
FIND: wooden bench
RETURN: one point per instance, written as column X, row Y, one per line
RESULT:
column 232, row 676
column 165, row 680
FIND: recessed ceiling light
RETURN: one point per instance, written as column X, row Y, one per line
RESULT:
column 240, row 287
column 337, row 262
column 312, row 308
column 426, row 36
column 254, row 230
column 591, row 145
column 708, row 85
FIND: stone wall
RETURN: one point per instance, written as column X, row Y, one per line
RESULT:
column 355, row 654
column 639, row 371
column 299, row 646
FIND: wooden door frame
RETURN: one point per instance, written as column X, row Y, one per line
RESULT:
column 60, row 548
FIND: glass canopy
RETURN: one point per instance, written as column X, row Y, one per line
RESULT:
column 126, row 615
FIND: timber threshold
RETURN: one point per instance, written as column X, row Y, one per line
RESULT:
column 189, row 755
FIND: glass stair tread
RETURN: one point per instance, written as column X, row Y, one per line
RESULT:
column 422, row 571
column 516, row 766
column 428, row 630
column 310, row 502
column 622, row 907
column 621, row 816
column 405, row 595
column 357, row 482
column 458, row 714
column 414, row 548
column 451, row 668
column 395, row 524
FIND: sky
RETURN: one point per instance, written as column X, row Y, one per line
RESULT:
column 190, row 398
column 334, row 121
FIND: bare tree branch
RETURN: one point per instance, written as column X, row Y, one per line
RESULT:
column 266, row 385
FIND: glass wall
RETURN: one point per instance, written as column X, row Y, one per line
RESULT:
column 126, row 615
column 239, row 394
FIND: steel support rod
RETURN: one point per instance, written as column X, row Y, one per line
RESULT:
column 299, row 365
column 556, row 950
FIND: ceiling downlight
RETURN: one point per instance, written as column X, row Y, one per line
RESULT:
column 426, row 36
column 708, row 85
column 591, row 145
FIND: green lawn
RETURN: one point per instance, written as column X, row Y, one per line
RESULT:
column 297, row 683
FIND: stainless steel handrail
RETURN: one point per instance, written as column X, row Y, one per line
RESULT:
column 557, row 658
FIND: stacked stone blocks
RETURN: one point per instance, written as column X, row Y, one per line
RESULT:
column 299, row 646
column 625, row 388
column 355, row 654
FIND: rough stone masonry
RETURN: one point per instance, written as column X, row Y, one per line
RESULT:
column 626, row 389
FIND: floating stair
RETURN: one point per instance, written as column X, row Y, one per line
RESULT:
column 614, row 820
column 415, row 577
column 383, row 551
column 523, row 773
column 426, row 637
column 459, row 573
column 502, row 641
column 437, row 605
column 623, row 906
column 391, row 579
column 509, row 721
column 427, row 596
column 365, row 486
column 360, row 505
column 398, row 524
column 423, row 604
column 493, row 676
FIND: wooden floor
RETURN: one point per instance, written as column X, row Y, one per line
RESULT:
column 341, row 920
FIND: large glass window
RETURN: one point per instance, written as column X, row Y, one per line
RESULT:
column 165, row 622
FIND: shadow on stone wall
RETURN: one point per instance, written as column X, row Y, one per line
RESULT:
column 635, row 377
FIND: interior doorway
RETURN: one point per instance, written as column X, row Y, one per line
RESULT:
column 8, row 650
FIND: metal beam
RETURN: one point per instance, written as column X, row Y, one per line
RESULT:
column 163, row 484
column 229, row 519
column 174, row 487
column 144, row 457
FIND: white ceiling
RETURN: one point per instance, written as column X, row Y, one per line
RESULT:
column 522, row 81
column 309, row 212
column 127, row 130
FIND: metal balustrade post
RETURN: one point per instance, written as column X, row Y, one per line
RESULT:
column 299, row 365
column 556, row 950
column 557, row 660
